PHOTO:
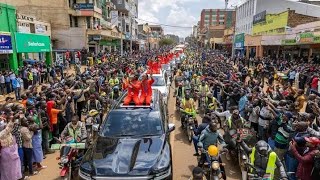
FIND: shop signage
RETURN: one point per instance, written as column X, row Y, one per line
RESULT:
column 316, row 39
column 5, row 44
column 23, row 27
column 40, row 29
column 109, row 43
column 289, row 42
column 32, row 43
column 305, row 38
column 83, row 6
column 94, row 37
column 239, row 41
column 115, row 34
column 25, row 18
column 261, row 17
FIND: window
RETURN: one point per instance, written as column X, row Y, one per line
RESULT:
column 76, row 22
column 214, row 12
column 70, row 20
column 32, row 28
column 221, row 22
column 88, row 19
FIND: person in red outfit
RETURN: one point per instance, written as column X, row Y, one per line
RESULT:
column 146, row 93
column 134, row 87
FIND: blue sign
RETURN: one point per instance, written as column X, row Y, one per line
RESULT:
column 5, row 44
column 128, row 35
column 83, row 6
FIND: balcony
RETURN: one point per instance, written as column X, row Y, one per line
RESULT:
column 121, row 5
column 111, row 5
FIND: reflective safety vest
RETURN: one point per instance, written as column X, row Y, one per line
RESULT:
column 206, row 88
column 74, row 132
column 184, row 103
column 113, row 82
column 230, row 121
column 271, row 165
column 214, row 102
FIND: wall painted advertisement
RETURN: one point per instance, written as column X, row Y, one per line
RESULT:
column 32, row 43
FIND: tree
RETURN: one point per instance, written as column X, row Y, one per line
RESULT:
column 166, row 42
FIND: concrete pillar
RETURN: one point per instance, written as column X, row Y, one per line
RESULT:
column 247, row 52
column 310, row 54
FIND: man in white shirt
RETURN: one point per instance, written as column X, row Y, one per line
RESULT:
column 2, row 84
column 265, row 116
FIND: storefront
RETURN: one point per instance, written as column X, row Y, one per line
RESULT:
column 239, row 45
column 271, row 45
column 6, row 52
column 40, row 45
column 253, row 46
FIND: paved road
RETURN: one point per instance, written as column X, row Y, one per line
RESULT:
column 183, row 159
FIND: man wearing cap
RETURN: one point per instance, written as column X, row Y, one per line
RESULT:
column 134, row 87
column 306, row 159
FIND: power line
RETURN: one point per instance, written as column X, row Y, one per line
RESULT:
column 163, row 24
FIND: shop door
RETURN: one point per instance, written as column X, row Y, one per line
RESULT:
column 4, row 62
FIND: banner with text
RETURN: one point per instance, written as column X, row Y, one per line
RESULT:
column 32, row 43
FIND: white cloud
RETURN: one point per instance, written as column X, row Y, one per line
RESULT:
column 177, row 16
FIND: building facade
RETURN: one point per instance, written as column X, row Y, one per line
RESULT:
column 250, row 8
column 214, row 17
column 76, row 23
column 156, row 34
column 8, row 26
column 273, row 24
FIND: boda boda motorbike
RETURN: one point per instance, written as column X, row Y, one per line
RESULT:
column 70, row 158
column 210, row 162
column 188, row 123
column 238, row 154
column 256, row 174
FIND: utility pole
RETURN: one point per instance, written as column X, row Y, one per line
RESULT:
column 121, row 42
column 234, row 33
column 131, row 20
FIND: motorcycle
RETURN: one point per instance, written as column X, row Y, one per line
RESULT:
column 189, row 123
column 92, row 122
column 213, row 167
column 70, row 159
column 256, row 175
column 238, row 153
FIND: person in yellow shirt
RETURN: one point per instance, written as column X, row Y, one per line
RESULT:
column 300, row 100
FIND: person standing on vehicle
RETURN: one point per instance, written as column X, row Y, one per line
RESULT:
column 264, row 159
column 146, row 93
column 134, row 88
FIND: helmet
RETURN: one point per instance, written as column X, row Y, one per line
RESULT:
column 93, row 112
column 213, row 150
column 262, row 147
column 116, row 88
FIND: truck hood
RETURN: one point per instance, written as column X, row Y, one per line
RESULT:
column 125, row 156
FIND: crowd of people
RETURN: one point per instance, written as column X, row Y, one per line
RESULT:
column 277, row 99
column 46, row 114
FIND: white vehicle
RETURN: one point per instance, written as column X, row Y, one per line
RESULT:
column 161, row 84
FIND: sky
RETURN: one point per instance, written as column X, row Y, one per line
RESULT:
column 182, row 13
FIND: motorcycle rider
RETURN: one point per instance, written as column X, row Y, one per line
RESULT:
column 264, row 159
column 234, row 122
column 76, row 130
column 210, row 136
column 203, row 91
column 211, row 102
column 206, row 120
column 188, row 107
column 197, row 174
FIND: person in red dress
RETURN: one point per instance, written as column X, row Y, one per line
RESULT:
column 134, row 87
column 146, row 93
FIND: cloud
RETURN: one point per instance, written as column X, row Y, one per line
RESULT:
column 169, row 12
